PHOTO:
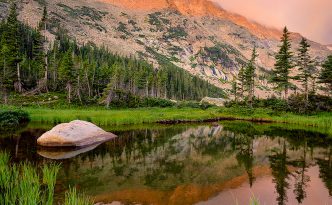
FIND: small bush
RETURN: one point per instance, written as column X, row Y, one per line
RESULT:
column 295, row 103
column 194, row 104
column 12, row 119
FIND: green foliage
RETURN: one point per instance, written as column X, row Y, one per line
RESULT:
column 9, row 50
column 249, row 76
column 157, row 20
column 123, row 28
column 315, row 103
column 219, row 54
column 283, row 64
column 25, row 185
column 123, row 99
column 13, row 119
column 175, row 33
column 296, row 103
column 326, row 75
column 74, row 198
column 84, row 11
column 305, row 65
column 180, row 85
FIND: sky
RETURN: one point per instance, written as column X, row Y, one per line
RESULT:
column 311, row 18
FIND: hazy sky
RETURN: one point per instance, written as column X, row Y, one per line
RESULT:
column 311, row 18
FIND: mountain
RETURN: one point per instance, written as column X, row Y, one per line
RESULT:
column 196, row 35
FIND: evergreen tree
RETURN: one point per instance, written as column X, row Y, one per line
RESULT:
column 326, row 75
column 67, row 72
column 234, row 90
column 305, row 66
column 43, row 22
column 283, row 64
column 242, row 81
column 9, row 52
column 250, row 76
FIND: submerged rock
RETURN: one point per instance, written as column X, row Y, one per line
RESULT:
column 74, row 134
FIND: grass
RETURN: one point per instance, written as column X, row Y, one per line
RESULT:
column 74, row 198
column 104, row 117
column 25, row 185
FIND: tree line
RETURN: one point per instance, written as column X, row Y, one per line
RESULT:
column 29, row 64
column 281, row 77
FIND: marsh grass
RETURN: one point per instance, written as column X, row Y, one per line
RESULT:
column 49, row 179
column 74, row 198
column 104, row 117
column 23, row 184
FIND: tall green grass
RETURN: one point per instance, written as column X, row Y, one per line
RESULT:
column 22, row 184
column 105, row 117
column 74, row 198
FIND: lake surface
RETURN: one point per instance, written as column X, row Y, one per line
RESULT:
column 225, row 163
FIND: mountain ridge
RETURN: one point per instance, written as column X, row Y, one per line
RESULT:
column 213, row 47
column 198, row 8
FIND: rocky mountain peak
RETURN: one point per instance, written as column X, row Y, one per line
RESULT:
column 198, row 8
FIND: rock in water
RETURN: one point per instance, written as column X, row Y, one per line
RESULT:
column 74, row 134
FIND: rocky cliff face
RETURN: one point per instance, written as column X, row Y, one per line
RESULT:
column 196, row 35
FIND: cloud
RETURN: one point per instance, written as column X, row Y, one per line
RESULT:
column 311, row 18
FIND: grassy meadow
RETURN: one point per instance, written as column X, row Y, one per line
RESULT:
column 112, row 117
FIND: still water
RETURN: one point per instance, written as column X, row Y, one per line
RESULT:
column 225, row 163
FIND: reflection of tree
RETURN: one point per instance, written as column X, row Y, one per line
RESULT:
column 301, row 179
column 325, row 167
column 246, row 156
column 278, row 163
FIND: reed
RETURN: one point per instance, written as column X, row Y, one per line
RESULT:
column 74, row 198
column 21, row 184
column 49, row 179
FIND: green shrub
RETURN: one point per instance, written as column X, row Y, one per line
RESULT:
column 12, row 119
column 295, row 104
column 194, row 104
column 124, row 99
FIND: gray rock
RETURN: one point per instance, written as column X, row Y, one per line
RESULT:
column 220, row 102
column 74, row 134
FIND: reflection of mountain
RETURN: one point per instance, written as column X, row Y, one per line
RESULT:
column 161, row 166
column 192, row 164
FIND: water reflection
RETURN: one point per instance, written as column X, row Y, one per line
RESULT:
column 194, row 164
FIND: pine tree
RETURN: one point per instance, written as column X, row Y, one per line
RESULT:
column 305, row 66
column 234, row 90
column 250, row 76
column 283, row 64
column 10, row 59
column 67, row 72
column 241, row 79
column 326, row 75
column 43, row 22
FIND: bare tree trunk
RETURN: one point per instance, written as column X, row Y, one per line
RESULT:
column 109, row 98
column 46, row 73
column 69, row 92
column 78, row 89
column 5, row 96
column 19, row 82
column 286, row 93
column 306, row 92
column 88, row 83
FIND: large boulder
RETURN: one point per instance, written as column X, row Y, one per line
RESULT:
column 74, row 134
column 220, row 102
